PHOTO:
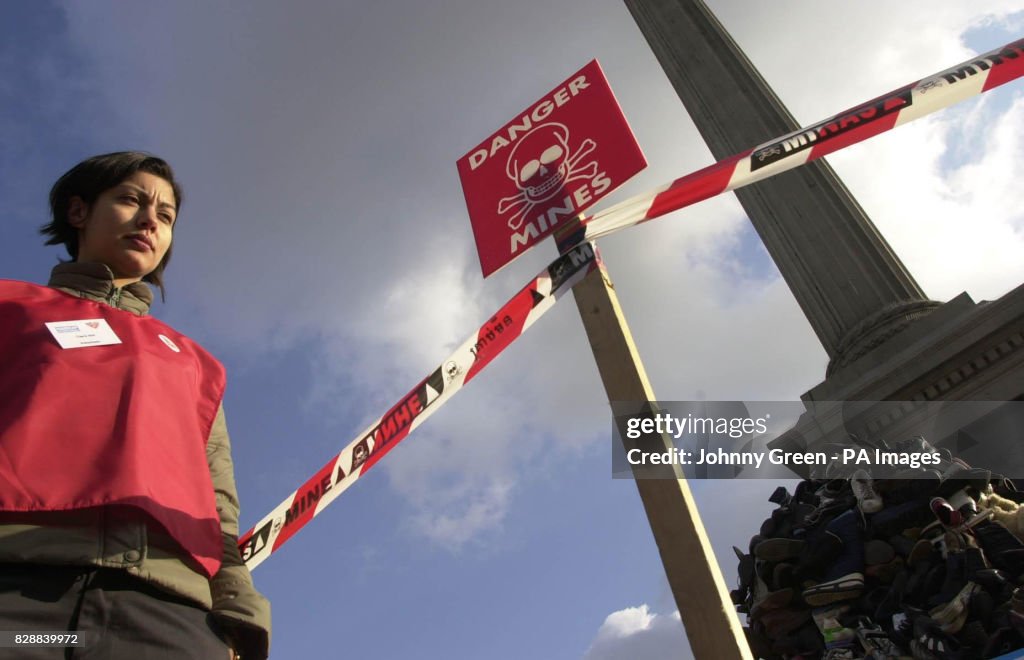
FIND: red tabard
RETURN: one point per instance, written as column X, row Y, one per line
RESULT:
column 117, row 424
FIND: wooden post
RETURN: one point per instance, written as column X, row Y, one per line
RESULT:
column 708, row 614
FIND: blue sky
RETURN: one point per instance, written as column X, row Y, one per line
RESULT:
column 324, row 254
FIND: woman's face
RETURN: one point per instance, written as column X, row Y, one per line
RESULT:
column 128, row 227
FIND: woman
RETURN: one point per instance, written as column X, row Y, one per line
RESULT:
column 118, row 508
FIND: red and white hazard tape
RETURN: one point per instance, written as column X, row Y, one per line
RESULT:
column 975, row 76
column 371, row 445
column 903, row 105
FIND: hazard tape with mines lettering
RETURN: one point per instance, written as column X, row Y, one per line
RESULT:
column 371, row 445
column 973, row 77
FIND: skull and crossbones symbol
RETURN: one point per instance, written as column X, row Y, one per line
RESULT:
column 452, row 370
column 540, row 165
column 360, row 453
column 773, row 150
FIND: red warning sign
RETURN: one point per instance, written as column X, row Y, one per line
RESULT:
column 555, row 159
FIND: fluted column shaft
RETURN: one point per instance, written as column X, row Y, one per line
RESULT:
column 845, row 277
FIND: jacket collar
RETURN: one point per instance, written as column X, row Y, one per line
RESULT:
column 95, row 281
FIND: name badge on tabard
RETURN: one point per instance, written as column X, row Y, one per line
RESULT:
column 84, row 333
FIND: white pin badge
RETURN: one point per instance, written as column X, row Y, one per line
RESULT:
column 170, row 344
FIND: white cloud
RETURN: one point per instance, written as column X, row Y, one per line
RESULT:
column 958, row 227
column 464, row 514
column 635, row 633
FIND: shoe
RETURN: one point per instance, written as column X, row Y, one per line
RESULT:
column 868, row 500
column 775, row 550
column 911, row 484
column 1006, row 512
column 1017, row 600
column 781, row 622
column 760, row 645
column 821, row 615
column 1016, row 620
column 806, row 640
column 933, row 531
column 924, row 579
column 851, row 559
column 962, row 500
column 745, row 573
column 785, row 522
column 765, row 600
column 934, row 579
column 974, row 559
column 892, row 602
column 1004, row 550
column 877, row 551
column 780, row 496
column 844, row 578
column 953, row 581
column 921, row 551
column 1006, row 487
column 1001, row 642
column 884, row 573
column 871, row 599
column 973, row 638
column 874, row 640
column 945, row 513
column 798, row 513
column 804, row 491
column 952, row 616
column 993, row 581
column 893, row 520
column 930, row 642
column 846, row 587
column 980, row 517
column 902, row 545
column 902, row 629
column 784, row 576
column 983, row 607
column 959, row 475
column 833, row 632
column 822, row 549
column 832, row 490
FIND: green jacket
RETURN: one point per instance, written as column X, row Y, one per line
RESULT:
column 121, row 538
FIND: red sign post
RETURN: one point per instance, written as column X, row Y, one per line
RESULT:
column 543, row 168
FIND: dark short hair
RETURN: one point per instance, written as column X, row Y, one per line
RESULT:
column 91, row 178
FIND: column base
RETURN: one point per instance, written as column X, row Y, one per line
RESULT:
column 875, row 330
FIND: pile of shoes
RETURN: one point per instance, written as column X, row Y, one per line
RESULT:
column 925, row 563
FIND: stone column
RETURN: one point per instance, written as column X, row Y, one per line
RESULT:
column 853, row 289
